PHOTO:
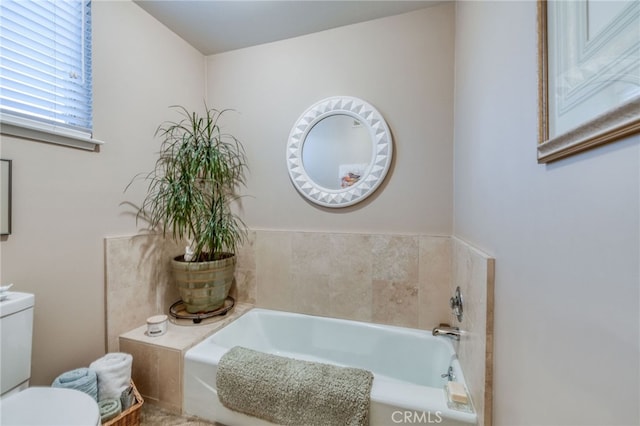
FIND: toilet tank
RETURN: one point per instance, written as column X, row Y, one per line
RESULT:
column 16, row 332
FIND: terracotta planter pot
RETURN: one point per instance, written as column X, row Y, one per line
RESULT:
column 204, row 286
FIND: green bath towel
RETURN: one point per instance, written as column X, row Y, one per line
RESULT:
column 293, row 392
column 109, row 408
column 82, row 379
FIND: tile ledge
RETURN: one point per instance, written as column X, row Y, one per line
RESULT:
column 183, row 337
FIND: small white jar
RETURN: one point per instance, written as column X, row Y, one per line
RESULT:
column 157, row 325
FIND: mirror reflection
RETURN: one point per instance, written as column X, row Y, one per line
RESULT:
column 337, row 151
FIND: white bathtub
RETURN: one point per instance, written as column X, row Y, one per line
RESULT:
column 407, row 365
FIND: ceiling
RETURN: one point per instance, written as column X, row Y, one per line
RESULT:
column 215, row 26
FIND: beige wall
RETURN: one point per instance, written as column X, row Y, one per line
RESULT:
column 67, row 200
column 402, row 65
column 566, row 237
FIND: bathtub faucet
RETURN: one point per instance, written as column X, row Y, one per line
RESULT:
column 447, row 330
column 449, row 375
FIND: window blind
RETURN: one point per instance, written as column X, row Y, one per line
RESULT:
column 45, row 65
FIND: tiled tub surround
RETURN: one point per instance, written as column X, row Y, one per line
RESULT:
column 403, row 280
column 158, row 361
column 391, row 279
column 400, row 280
column 138, row 282
column 473, row 271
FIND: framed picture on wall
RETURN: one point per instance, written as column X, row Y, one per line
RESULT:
column 5, row 197
column 589, row 75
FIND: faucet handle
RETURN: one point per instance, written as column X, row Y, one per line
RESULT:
column 456, row 304
column 449, row 374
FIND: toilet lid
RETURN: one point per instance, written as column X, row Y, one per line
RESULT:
column 40, row 406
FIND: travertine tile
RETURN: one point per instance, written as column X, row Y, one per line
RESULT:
column 152, row 415
column 350, row 296
column 349, row 264
column 183, row 337
column 311, row 253
column 170, row 375
column 435, row 281
column 246, row 253
column 144, row 370
column 350, row 255
column 395, row 303
column 395, row 258
column 473, row 271
column 244, row 288
column 310, row 293
column 273, row 268
column 157, row 366
column 138, row 281
column 319, row 263
column 403, row 280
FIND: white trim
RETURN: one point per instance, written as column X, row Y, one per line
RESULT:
column 33, row 130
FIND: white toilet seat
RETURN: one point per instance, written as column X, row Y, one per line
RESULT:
column 41, row 406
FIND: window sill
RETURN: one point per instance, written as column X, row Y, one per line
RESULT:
column 49, row 134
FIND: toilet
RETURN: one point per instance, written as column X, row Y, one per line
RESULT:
column 33, row 406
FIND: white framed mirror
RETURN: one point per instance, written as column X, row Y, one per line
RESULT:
column 339, row 151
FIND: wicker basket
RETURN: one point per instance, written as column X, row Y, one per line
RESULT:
column 130, row 416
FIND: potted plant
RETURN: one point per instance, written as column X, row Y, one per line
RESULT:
column 189, row 198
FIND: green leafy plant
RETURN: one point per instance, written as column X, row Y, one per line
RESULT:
column 194, row 183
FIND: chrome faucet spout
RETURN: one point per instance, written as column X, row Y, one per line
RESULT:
column 447, row 331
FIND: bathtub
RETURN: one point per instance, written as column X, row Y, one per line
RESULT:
column 407, row 365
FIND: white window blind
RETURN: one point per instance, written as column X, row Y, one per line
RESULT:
column 45, row 66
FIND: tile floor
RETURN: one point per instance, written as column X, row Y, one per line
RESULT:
column 154, row 416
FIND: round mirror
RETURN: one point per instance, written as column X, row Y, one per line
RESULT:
column 339, row 151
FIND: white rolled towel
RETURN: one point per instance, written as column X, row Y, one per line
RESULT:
column 114, row 374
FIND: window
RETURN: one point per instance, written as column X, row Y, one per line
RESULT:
column 45, row 70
